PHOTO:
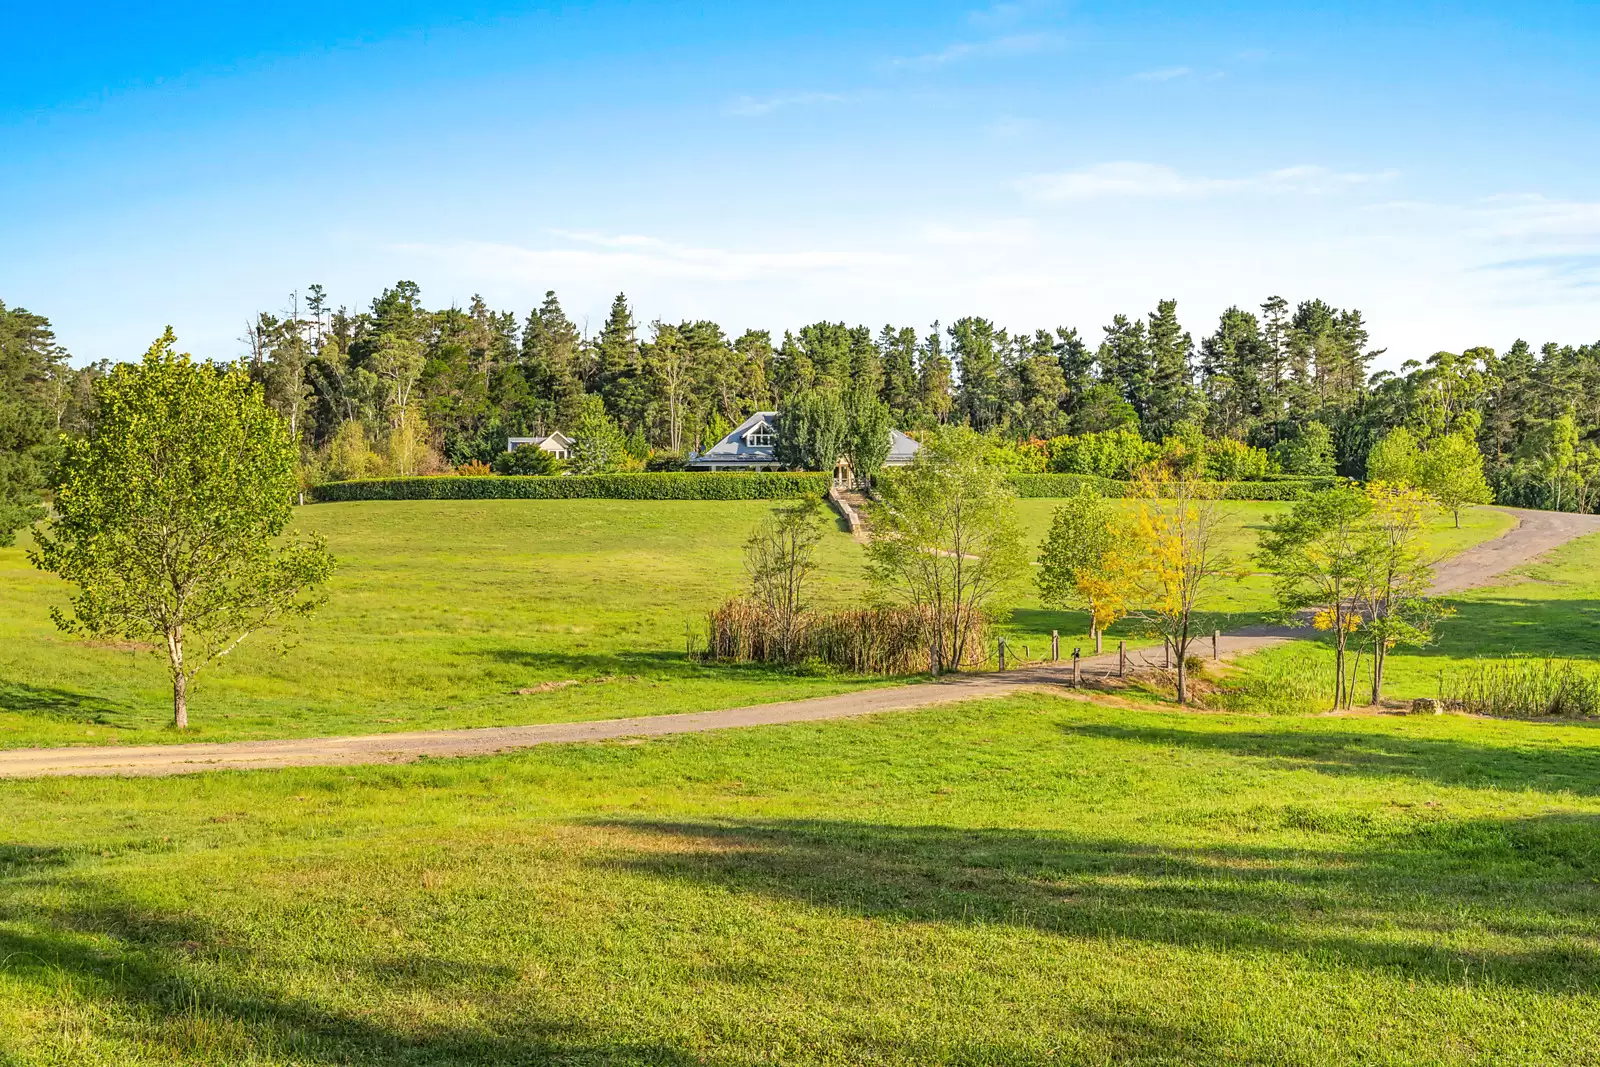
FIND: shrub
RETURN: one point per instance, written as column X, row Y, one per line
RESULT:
column 527, row 460
column 634, row 486
column 476, row 468
column 665, row 461
column 881, row 640
column 1228, row 460
column 1110, row 454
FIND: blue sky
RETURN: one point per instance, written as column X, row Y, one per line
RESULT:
column 1039, row 163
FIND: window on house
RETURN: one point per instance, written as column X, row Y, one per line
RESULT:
column 761, row 437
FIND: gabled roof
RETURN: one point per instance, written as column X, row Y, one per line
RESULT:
column 735, row 448
column 557, row 439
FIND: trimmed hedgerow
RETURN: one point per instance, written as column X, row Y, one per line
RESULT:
column 633, row 486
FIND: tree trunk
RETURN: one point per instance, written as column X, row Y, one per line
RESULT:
column 180, row 701
column 180, row 680
column 1183, row 681
column 1379, row 653
column 1458, row 518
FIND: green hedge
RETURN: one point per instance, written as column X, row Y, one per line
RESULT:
column 690, row 485
column 676, row 485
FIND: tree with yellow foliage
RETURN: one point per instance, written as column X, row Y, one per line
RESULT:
column 1171, row 558
column 1078, row 564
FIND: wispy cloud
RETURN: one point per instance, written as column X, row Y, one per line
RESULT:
column 754, row 107
column 1157, row 181
column 1011, row 44
column 1164, row 75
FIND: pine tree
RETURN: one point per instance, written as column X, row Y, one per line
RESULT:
column 551, row 360
column 1172, row 396
column 978, row 348
column 617, row 373
column 933, row 378
column 897, row 351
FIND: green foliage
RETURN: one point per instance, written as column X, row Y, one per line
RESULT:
column 945, row 539
column 867, row 440
column 667, row 485
column 812, row 430
column 1395, row 459
column 1308, row 453
column 528, row 461
column 1451, row 471
column 1228, row 460
column 1116, row 453
column 598, row 445
column 1074, row 561
column 29, row 359
column 168, row 516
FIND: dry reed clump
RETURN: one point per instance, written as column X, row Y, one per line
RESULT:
column 1524, row 688
column 864, row 641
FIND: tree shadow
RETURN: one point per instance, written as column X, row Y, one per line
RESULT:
column 1371, row 754
column 179, row 985
column 63, row 704
column 1382, row 909
column 1514, row 626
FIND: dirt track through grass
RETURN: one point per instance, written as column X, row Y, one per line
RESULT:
column 1536, row 533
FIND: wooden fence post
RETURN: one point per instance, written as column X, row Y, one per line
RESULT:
column 1077, row 679
column 1122, row 659
column 1216, row 644
column 933, row 660
column 1099, row 645
column 1002, row 653
column 1055, row 646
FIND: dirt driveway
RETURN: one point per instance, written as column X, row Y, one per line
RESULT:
column 1537, row 532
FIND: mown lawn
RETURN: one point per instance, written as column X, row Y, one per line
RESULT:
column 1548, row 608
column 441, row 611
column 1028, row 881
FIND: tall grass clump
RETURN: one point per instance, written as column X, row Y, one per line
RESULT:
column 880, row 640
column 1524, row 689
column 1280, row 685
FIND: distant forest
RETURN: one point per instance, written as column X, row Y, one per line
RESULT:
column 1291, row 379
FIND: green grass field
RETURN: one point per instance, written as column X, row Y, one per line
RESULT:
column 441, row 611
column 1029, row 881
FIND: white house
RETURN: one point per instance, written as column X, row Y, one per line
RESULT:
column 557, row 444
column 752, row 447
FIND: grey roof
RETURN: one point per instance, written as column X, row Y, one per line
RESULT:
column 734, row 449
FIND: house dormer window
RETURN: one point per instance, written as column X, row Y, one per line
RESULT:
column 761, row 436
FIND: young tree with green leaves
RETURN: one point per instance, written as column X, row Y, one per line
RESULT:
column 1078, row 564
column 945, row 540
column 168, row 516
column 1322, row 557
column 780, row 556
column 1394, row 596
column 1395, row 459
column 1451, row 471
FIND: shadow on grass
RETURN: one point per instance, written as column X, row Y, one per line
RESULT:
column 1373, row 754
column 1076, row 623
column 1511, row 626
column 177, row 987
column 1528, row 882
column 61, row 704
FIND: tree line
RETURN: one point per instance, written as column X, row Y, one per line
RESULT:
column 398, row 388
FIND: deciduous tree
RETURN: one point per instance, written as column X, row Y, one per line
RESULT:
column 169, row 516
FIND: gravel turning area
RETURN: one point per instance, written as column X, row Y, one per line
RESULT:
column 1536, row 533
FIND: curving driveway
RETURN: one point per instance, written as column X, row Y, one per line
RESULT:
column 1536, row 533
